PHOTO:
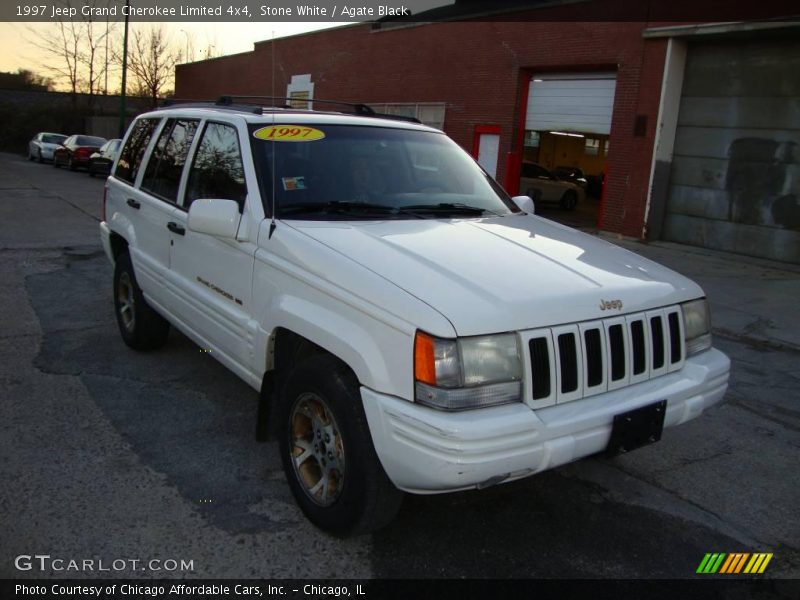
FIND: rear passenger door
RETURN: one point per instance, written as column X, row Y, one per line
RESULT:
column 215, row 274
column 134, row 215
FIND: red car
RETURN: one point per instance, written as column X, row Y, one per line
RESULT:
column 75, row 151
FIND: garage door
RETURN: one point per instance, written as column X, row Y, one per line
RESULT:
column 573, row 102
column 736, row 162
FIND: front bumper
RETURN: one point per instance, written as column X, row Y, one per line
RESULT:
column 105, row 239
column 426, row 451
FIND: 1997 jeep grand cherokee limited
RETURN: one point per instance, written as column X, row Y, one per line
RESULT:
column 409, row 326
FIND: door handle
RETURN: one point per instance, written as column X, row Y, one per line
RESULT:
column 134, row 204
column 175, row 228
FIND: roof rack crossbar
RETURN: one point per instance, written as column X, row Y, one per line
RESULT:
column 228, row 102
column 358, row 108
column 172, row 103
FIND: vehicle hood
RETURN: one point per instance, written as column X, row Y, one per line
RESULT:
column 504, row 273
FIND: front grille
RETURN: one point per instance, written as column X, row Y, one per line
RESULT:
column 573, row 361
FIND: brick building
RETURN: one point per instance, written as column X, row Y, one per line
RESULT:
column 692, row 122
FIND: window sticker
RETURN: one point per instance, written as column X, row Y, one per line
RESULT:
column 293, row 183
column 289, row 133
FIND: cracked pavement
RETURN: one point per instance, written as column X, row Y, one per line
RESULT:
column 109, row 453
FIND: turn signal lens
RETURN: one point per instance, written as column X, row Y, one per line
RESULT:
column 424, row 361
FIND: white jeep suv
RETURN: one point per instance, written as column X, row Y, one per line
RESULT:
column 410, row 327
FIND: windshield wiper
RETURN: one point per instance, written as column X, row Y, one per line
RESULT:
column 335, row 207
column 447, row 208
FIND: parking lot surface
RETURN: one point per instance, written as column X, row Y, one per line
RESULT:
column 108, row 453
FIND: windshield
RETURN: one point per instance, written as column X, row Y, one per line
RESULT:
column 351, row 172
column 53, row 138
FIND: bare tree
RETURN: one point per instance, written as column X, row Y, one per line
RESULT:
column 152, row 57
column 72, row 50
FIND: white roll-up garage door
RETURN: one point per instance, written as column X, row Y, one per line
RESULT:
column 581, row 102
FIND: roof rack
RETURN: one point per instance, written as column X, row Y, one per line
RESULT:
column 357, row 108
column 215, row 104
column 227, row 102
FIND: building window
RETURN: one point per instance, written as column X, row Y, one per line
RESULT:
column 605, row 148
column 531, row 139
column 591, row 147
column 428, row 113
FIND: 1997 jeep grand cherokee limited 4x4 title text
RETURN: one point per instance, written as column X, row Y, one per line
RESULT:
column 409, row 325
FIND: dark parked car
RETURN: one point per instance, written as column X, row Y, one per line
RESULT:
column 573, row 174
column 75, row 151
column 100, row 162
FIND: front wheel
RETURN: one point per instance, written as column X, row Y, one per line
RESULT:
column 141, row 327
column 327, row 452
column 55, row 161
column 569, row 200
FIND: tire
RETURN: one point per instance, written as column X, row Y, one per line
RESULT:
column 91, row 172
column 71, row 164
column 55, row 162
column 30, row 156
column 320, row 408
column 39, row 157
column 569, row 200
column 141, row 327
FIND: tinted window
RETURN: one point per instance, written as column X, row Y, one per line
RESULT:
column 88, row 140
column 131, row 157
column 532, row 170
column 217, row 170
column 163, row 173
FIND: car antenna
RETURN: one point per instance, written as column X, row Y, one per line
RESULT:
column 272, row 225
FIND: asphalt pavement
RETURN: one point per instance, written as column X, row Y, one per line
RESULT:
column 109, row 454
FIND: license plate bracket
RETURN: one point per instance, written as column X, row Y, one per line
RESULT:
column 637, row 428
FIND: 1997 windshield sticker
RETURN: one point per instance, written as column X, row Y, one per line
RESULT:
column 289, row 133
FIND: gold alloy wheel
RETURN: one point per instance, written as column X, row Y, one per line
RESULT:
column 317, row 452
column 126, row 301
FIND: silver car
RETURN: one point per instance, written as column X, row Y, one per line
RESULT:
column 541, row 185
column 43, row 144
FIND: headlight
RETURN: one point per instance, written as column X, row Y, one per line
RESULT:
column 468, row 372
column 697, row 326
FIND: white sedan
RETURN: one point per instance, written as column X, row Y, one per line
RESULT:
column 541, row 185
column 43, row 144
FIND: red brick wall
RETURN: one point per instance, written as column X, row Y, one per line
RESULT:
column 478, row 69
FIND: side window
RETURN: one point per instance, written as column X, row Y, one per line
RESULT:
column 131, row 156
column 217, row 170
column 163, row 173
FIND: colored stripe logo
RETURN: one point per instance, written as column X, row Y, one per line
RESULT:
column 734, row 563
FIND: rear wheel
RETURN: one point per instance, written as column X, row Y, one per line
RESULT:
column 141, row 327
column 327, row 452
column 569, row 200
column 71, row 164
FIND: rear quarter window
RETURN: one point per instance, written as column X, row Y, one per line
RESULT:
column 130, row 158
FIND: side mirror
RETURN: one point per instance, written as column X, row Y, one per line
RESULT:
column 525, row 204
column 219, row 218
